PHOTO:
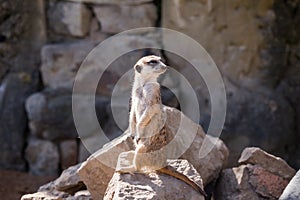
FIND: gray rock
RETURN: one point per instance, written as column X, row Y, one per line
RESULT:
column 252, row 120
column 69, row 180
column 100, row 166
column 253, row 64
column 239, row 58
column 69, row 18
column 14, row 90
column 50, row 114
column 292, row 192
column 3, row 69
column 42, row 157
column 105, row 2
column 276, row 165
column 68, row 150
column 67, row 186
column 155, row 185
column 259, row 176
column 60, row 62
column 234, row 184
column 128, row 16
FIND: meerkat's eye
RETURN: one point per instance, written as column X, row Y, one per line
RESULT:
column 152, row 62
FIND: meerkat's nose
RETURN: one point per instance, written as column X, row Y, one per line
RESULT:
column 164, row 65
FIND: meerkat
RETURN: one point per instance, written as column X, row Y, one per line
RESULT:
column 147, row 122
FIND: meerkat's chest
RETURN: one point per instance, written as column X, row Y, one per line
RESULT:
column 140, row 101
column 146, row 97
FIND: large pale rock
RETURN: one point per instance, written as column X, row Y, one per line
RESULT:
column 255, row 178
column 69, row 18
column 292, row 190
column 42, row 156
column 128, row 16
column 155, row 185
column 95, row 174
column 256, row 156
column 100, row 166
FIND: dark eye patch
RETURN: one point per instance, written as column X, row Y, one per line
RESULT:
column 152, row 62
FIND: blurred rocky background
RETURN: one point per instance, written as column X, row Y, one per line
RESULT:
column 255, row 45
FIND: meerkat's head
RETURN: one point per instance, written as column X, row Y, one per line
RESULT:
column 150, row 66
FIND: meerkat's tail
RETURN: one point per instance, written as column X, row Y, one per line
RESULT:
column 172, row 172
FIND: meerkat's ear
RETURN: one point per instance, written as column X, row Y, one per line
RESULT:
column 138, row 68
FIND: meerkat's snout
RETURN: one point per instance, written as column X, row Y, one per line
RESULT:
column 161, row 68
column 158, row 65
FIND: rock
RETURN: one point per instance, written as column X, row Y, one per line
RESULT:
column 68, row 153
column 100, row 166
column 234, row 184
column 14, row 90
column 155, row 185
column 267, row 184
column 42, row 156
column 69, row 180
column 93, row 170
column 292, row 190
column 60, row 62
column 239, row 58
column 69, row 18
column 252, row 120
column 120, row 66
column 68, row 186
column 252, row 64
column 117, row 2
column 95, row 33
column 82, row 195
column 43, row 195
column 3, row 69
column 50, row 114
column 255, row 178
column 249, row 182
column 256, row 156
column 129, row 16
